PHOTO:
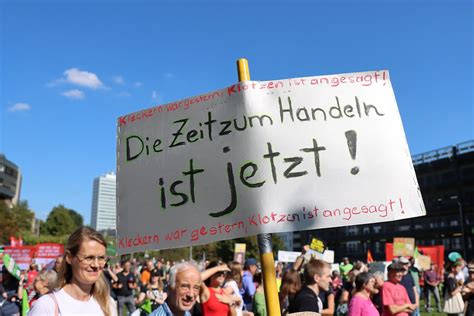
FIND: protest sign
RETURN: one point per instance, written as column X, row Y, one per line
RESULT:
column 317, row 245
column 288, row 256
column 263, row 157
column 424, row 262
column 23, row 255
column 239, row 253
column 403, row 247
column 11, row 266
column 47, row 252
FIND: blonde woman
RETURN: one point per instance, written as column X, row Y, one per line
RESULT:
column 82, row 289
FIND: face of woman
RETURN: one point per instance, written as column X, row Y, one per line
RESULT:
column 370, row 286
column 88, row 264
column 218, row 279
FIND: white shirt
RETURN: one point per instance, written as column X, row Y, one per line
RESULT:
column 68, row 305
column 235, row 287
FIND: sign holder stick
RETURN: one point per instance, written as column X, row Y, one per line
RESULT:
column 264, row 240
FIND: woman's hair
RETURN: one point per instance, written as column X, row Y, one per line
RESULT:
column 361, row 280
column 235, row 273
column 49, row 276
column 100, row 290
column 212, row 264
column 290, row 283
column 160, row 282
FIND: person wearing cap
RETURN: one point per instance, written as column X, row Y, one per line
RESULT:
column 468, row 289
column 409, row 283
column 248, row 287
column 394, row 296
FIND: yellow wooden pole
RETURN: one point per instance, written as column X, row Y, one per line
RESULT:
column 264, row 240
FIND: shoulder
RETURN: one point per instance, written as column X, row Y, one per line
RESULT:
column 44, row 306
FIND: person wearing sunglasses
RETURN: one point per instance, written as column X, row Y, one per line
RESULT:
column 215, row 301
column 81, row 287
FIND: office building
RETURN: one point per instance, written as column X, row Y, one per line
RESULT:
column 104, row 210
column 10, row 181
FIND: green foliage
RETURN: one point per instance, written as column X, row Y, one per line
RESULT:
column 31, row 239
column 16, row 221
column 61, row 221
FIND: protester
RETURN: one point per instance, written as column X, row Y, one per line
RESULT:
column 145, row 274
column 248, row 287
column 214, row 300
column 452, row 285
column 317, row 275
column 345, row 267
column 259, row 305
column 152, row 295
column 409, row 283
column 111, row 279
column 124, row 288
column 361, row 304
column 233, row 284
column 327, row 298
column 9, row 301
column 290, row 285
column 394, row 295
column 183, row 291
column 32, row 273
column 468, row 290
column 58, row 263
column 432, row 281
column 377, row 297
column 82, row 289
column 44, row 283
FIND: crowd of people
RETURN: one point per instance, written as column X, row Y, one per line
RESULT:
column 82, row 282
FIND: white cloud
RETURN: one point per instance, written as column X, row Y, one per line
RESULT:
column 74, row 94
column 138, row 84
column 156, row 97
column 118, row 80
column 82, row 78
column 124, row 94
column 19, row 107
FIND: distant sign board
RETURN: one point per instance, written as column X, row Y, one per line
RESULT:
column 403, row 247
column 263, row 157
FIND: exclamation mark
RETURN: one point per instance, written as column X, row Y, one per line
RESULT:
column 351, row 137
column 401, row 205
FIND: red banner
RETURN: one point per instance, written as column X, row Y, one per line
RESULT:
column 436, row 253
column 23, row 255
column 49, row 250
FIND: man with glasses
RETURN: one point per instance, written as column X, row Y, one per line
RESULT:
column 183, row 291
column 124, row 288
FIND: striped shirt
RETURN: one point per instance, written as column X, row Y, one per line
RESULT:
column 164, row 310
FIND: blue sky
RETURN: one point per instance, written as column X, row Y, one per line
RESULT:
column 69, row 69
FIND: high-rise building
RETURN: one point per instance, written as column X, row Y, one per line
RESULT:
column 10, row 181
column 104, row 210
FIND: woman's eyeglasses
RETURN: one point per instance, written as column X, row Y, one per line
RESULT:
column 91, row 259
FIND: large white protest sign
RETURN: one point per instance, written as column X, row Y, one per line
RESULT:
column 264, row 157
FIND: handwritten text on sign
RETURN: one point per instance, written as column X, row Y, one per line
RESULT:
column 261, row 157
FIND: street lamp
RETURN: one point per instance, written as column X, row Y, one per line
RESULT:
column 461, row 218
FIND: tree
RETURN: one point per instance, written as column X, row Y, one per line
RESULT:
column 15, row 221
column 60, row 221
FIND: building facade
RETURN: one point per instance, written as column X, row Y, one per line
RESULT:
column 10, row 181
column 446, row 179
column 104, row 210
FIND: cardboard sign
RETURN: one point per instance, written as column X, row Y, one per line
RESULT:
column 403, row 247
column 239, row 253
column 263, row 157
column 424, row 262
column 288, row 256
column 317, row 245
